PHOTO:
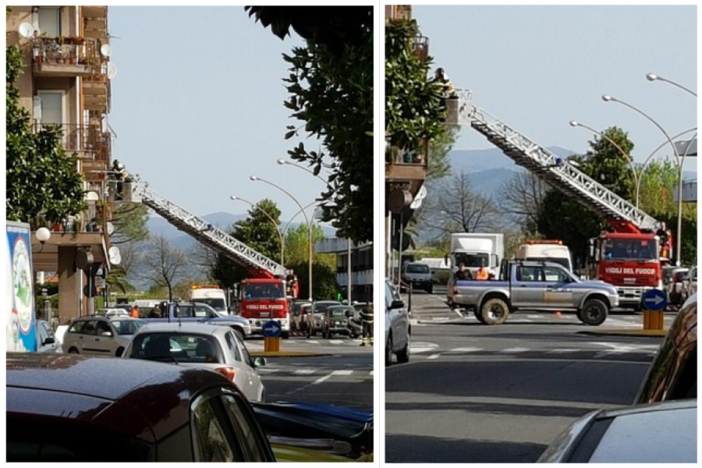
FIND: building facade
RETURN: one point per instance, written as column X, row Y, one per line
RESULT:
column 66, row 82
column 361, row 266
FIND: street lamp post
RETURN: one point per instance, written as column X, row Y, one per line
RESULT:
column 309, row 227
column 653, row 77
column 277, row 227
column 284, row 162
column 608, row 98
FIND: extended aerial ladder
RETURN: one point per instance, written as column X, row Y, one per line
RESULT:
column 260, row 266
column 620, row 214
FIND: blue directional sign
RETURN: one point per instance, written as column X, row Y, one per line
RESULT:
column 654, row 299
column 272, row 329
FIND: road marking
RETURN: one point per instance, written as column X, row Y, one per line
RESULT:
column 422, row 347
column 321, row 379
column 313, row 341
column 564, row 350
column 434, row 356
column 335, row 341
column 266, row 371
column 305, row 371
column 466, row 350
column 342, row 372
column 514, row 350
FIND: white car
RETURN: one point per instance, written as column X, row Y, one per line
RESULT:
column 691, row 283
column 657, row 433
column 100, row 336
column 200, row 345
column 398, row 330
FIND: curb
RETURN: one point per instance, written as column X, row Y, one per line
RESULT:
column 626, row 332
column 286, row 354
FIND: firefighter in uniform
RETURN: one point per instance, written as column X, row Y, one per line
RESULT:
column 367, row 321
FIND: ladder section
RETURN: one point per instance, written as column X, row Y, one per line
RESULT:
column 556, row 172
column 204, row 232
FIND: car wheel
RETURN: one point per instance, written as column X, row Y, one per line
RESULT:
column 119, row 352
column 73, row 350
column 388, row 351
column 494, row 311
column 430, row 289
column 594, row 312
column 404, row 355
column 263, row 397
column 478, row 316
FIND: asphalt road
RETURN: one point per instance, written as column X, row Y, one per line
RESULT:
column 473, row 393
column 342, row 375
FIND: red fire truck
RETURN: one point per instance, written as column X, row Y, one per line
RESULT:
column 267, row 298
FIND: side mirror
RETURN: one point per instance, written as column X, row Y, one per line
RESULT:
column 49, row 340
column 106, row 333
column 259, row 361
column 397, row 305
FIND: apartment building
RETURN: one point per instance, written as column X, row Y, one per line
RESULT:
column 66, row 82
column 361, row 265
column 405, row 168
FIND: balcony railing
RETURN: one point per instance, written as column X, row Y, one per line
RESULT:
column 421, row 47
column 395, row 156
column 68, row 56
column 89, row 141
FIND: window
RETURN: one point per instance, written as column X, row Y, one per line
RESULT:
column 528, row 273
column 244, row 428
column 231, row 343
column 554, row 275
column 77, row 327
column 212, row 437
column 51, row 107
column 89, row 327
column 43, row 334
column 50, row 22
column 417, row 268
column 127, row 327
column 102, row 327
column 179, row 346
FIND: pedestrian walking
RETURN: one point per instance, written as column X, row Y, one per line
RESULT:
column 367, row 321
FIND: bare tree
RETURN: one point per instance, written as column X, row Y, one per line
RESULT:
column 163, row 264
column 462, row 209
column 204, row 258
column 522, row 197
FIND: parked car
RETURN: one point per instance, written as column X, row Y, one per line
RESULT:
column 204, row 346
column 100, row 335
column 296, row 314
column 691, row 287
column 113, row 312
column 315, row 317
column 673, row 372
column 675, row 287
column 65, row 408
column 398, row 330
column 46, row 339
column 418, row 275
column 336, row 320
column 657, row 433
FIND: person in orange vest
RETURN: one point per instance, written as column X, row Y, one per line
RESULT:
column 135, row 311
column 482, row 274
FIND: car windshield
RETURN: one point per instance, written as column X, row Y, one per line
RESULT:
column 472, row 260
column 178, row 347
column 321, row 307
column 263, row 291
column 215, row 303
column 338, row 311
column 417, row 268
column 127, row 327
column 629, row 249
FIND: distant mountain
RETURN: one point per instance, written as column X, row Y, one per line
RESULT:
column 492, row 158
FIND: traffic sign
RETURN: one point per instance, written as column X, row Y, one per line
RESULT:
column 654, row 299
column 272, row 329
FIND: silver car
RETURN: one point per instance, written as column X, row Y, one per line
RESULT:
column 398, row 330
column 46, row 339
column 212, row 347
column 100, row 335
column 657, row 433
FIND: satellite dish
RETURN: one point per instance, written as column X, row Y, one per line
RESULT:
column 110, row 228
column 111, row 70
column 115, row 257
column 26, row 30
column 106, row 50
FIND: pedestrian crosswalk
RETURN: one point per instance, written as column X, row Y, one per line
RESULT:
column 299, row 343
column 292, row 371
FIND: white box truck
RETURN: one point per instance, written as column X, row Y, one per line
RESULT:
column 474, row 249
column 212, row 295
column 545, row 251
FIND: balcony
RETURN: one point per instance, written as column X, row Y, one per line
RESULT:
column 89, row 142
column 420, row 45
column 97, row 94
column 67, row 57
column 357, row 278
column 405, row 165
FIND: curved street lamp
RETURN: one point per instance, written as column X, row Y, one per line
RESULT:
column 608, row 98
column 309, row 228
column 277, row 227
column 653, row 77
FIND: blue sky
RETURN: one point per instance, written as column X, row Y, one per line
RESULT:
column 197, row 106
column 538, row 67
